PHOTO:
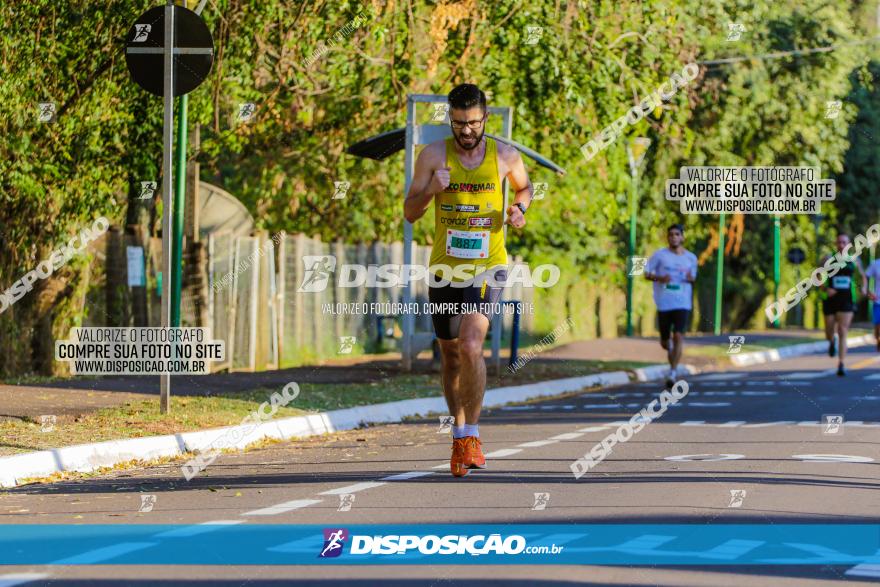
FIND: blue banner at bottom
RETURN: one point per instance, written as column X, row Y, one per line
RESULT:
column 225, row 543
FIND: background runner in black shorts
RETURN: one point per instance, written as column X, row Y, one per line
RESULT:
column 672, row 320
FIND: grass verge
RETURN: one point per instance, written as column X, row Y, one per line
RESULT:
column 142, row 418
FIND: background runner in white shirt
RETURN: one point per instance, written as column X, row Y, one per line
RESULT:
column 673, row 271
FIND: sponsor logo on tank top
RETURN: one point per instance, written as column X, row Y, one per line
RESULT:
column 471, row 187
column 467, row 208
column 477, row 221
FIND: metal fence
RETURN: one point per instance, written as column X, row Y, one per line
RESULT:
column 255, row 299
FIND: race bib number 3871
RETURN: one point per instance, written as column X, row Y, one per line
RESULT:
column 463, row 244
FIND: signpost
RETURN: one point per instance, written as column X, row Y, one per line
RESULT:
column 169, row 52
column 797, row 256
column 635, row 152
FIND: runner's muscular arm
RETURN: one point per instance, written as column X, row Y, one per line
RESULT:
column 861, row 269
column 429, row 178
column 519, row 181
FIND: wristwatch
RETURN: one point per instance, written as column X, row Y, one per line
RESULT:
column 521, row 207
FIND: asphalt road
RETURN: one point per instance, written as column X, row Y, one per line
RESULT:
column 766, row 420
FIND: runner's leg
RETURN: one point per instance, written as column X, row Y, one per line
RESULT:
column 830, row 328
column 679, row 323
column 450, row 378
column 843, row 320
column 472, row 378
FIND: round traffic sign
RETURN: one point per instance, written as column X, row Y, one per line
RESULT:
column 192, row 45
column 796, row 256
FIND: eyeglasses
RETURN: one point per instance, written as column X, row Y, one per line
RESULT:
column 474, row 124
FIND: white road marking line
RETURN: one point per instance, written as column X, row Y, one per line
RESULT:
column 518, row 408
column 102, row 554
column 440, row 466
column 600, row 406
column 710, row 457
column 732, row 424
column 405, row 476
column 862, row 569
column 353, row 488
column 759, row 393
column 693, row 423
column 537, row 443
column 721, row 377
column 20, row 578
column 504, row 452
column 567, row 436
column 593, row 429
column 707, row 404
column 833, row 458
column 765, row 424
column 555, row 407
column 197, row 529
column 806, row 375
column 719, row 393
column 281, row 508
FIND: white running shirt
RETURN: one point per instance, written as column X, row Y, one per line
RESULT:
column 678, row 293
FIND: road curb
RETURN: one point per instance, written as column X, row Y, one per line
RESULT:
column 85, row 458
column 795, row 350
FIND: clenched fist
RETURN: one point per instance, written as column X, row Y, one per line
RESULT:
column 439, row 180
column 515, row 217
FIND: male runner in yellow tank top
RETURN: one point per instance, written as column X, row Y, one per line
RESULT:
column 463, row 174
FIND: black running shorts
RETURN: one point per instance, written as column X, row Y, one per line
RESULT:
column 842, row 301
column 483, row 296
column 673, row 319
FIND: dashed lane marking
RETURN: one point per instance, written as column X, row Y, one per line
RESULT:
column 833, row 458
column 720, row 377
column 504, row 452
column 537, row 443
column 353, row 488
column 281, row 508
column 408, row 475
column 98, row 555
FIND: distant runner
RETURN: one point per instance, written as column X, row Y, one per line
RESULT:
column 673, row 271
column 462, row 175
column 839, row 305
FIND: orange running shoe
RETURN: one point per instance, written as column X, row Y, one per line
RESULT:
column 473, row 453
column 456, row 463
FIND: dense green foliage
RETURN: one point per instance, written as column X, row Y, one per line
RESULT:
column 593, row 62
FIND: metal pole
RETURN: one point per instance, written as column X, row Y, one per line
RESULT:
column 409, row 324
column 178, row 209
column 179, row 206
column 719, row 276
column 776, row 265
column 514, row 334
column 818, row 312
column 632, row 250
column 498, row 319
column 167, row 194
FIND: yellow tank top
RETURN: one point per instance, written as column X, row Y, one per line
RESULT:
column 469, row 214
